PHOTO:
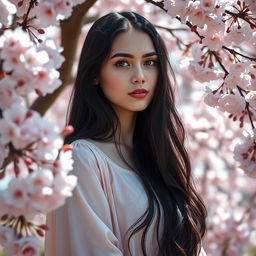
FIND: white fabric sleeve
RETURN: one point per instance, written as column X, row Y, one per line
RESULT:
column 83, row 227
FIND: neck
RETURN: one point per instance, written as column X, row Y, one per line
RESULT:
column 127, row 121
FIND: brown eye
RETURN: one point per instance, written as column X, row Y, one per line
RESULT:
column 151, row 62
column 122, row 63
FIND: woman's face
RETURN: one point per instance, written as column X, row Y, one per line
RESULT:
column 131, row 65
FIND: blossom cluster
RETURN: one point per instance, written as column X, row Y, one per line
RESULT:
column 33, row 160
column 28, row 245
column 43, row 13
column 225, row 33
column 29, row 68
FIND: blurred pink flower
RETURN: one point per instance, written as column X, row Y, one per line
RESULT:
column 29, row 246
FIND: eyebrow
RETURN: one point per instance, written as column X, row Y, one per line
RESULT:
column 127, row 55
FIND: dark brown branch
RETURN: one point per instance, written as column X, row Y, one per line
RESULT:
column 219, row 61
column 70, row 32
column 238, row 53
column 247, row 106
column 242, row 15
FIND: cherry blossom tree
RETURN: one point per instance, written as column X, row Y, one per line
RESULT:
column 212, row 39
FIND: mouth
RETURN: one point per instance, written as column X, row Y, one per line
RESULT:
column 139, row 93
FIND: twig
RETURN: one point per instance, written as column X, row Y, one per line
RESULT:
column 242, row 16
column 233, row 52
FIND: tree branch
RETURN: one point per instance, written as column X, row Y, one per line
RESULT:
column 70, row 32
column 238, row 53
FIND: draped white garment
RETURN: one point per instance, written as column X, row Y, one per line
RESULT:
column 106, row 202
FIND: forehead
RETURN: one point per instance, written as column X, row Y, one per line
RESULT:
column 132, row 41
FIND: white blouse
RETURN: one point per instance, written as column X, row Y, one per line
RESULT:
column 106, row 202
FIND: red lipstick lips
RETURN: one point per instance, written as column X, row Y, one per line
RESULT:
column 139, row 93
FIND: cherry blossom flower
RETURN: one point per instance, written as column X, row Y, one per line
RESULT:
column 55, row 58
column 251, row 98
column 175, row 8
column 29, row 246
column 238, row 35
column 16, row 194
column 208, row 5
column 46, row 81
column 6, row 234
column 244, row 153
column 203, row 74
column 21, row 10
column 231, row 103
column 211, row 99
column 196, row 14
column 8, row 95
column 212, row 41
column 47, row 14
column 6, row 11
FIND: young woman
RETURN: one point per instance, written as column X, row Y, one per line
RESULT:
column 134, row 194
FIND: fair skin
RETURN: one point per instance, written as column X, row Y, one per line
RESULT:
column 132, row 64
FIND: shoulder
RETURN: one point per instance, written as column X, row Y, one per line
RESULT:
column 83, row 148
column 85, row 156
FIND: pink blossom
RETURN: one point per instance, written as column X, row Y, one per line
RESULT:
column 16, row 194
column 8, row 95
column 251, row 98
column 211, row 99
column 6, row 234
column 175, row 8
column 64, row 9
column 64, row 162
column 23, row 82
column 55, row 58
column 238, row 75
column 38, row 180
column 10, row 125
column 47, row 14
column 64, row 183
column 12, row 247
column 196, row 14
column 231, row 103
column 14, row 42
column 244, row 153
column 33, row 58
column 6, row 11
column 46, row 81
column 238, row 35
column 212, row 41
column 214, row 23
column 208, row 5
column 29, row 246
column 21, row 9
column 204, row 74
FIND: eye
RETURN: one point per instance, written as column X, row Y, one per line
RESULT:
column 122, row 63
column 151, row 62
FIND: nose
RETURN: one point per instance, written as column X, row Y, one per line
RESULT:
column 138, row 76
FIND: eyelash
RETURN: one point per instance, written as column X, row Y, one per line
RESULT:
column 121, row 63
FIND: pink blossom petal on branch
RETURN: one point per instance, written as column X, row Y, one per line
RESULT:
column 251, row 98
column 233, row 104
column 29, row 246
column 8, row 95
column 6, row 11
column 238, row 36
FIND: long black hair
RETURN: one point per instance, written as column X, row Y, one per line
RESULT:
column 158, row 152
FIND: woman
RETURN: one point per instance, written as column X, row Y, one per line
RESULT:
column 134, row 194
